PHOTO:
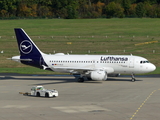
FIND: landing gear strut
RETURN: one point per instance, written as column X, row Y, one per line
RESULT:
column 133, row 78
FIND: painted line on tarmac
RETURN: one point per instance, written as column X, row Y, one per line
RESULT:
column 143, row 103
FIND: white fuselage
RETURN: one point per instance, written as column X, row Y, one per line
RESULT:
column 109, row 63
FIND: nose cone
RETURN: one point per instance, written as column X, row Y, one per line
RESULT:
column 151, row 67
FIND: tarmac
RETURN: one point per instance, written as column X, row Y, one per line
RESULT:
column 115, row 99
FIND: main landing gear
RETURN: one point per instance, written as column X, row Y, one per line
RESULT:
column 80, row 79
column 133, row 78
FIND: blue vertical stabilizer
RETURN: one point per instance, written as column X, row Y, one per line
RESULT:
column 29, row 52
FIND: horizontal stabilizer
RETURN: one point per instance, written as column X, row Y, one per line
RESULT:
column 17, row 58
column 24, row 59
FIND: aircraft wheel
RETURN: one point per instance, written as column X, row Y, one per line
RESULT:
column 133, row 79
column 80, row 79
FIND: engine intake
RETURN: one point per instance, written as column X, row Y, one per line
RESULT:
column 98, row 75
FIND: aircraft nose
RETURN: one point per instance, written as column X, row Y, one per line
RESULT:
column 152, row 67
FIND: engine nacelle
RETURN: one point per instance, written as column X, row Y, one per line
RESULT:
column 98, row 75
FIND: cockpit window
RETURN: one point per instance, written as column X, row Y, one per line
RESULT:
column 144, row 62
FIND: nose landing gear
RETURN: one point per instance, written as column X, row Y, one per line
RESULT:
column 133, row 78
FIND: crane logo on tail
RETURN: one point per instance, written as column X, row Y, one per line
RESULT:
column 26, row 47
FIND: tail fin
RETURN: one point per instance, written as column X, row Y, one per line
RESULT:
column 29, row 52
column 25, row 44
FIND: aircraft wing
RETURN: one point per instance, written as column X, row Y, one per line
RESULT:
column 75, row 69
column 82, row 69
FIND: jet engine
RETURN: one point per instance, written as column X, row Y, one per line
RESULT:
column 98, row 75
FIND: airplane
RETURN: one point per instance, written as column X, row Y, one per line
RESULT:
column 94, row 67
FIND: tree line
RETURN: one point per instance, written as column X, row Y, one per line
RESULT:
column 72, row 9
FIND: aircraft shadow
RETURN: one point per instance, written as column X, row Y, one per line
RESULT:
column 63, row 80
column 120, row 79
